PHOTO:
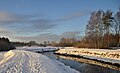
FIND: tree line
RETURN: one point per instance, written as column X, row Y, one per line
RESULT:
column 5, row 44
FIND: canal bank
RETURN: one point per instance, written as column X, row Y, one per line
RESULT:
column 84, row 65
column 101, row 55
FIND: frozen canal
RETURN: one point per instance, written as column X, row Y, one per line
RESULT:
column 84, row 65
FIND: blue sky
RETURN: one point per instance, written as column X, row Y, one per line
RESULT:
column 40, row 20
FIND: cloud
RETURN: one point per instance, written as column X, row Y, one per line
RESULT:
column 42, row 24
column 70, row 34
column 4, row 32
column 25, row 23
column 39, row 38
column 25, row 28
column 49, row 37
column 7, row 18
column 73, row 15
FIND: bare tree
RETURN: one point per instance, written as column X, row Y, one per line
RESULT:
column 94, row 29
column 107, row 22
column 117, row 27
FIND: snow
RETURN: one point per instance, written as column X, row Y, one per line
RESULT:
column 7, row 56
column 20, row 61
column 37, row 49
column 111, row 56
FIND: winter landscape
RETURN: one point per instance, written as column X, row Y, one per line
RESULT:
column 49, row 36
column 19, row 61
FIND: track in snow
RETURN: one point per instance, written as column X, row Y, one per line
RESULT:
column 17, row 61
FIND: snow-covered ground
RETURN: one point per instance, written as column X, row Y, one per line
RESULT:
column 19, row 61
column 111, row 56
column 38, row 49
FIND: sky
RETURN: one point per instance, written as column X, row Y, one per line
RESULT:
column 42, row 20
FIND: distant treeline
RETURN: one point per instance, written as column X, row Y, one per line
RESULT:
column 68, row 42
column 64, row 42
column 5, row 44
column 31, row 43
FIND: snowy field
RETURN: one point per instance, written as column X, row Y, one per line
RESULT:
column 37, row 49
column 19, row 61
column 111, row 56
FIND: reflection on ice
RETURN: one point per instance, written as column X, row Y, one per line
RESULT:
column 84, row 65
column 90, row 62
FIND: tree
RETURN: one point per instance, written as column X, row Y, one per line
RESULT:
column 54, row 43
column 5, row 44
column 117, row 27
column 45, row 43
column 67, row 42
column 32, row 43
column 94, row 29
column 107, row 23
column 98, row 29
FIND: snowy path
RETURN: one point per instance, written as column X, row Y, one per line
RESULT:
column 19, row 61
